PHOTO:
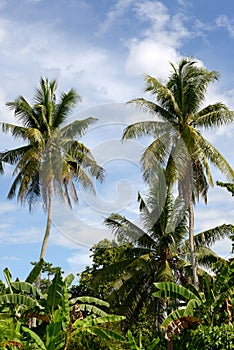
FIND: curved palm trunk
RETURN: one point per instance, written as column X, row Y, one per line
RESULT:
column 49, row 220
column 48, row 225
column 191, row 243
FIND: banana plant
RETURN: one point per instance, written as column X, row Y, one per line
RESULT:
column 213, row 306
column 60, row 317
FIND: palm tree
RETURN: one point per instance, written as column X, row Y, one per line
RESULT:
column 151, row 255
column 52, row 157
column 158, row 252
column 178, row 143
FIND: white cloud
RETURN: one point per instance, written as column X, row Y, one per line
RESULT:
column 224, row 22
column 160, row 42
column 79, row 260
column 6, row 207
column 117, row 11
column 145, row 57
column 21, row 236
column 72, row 232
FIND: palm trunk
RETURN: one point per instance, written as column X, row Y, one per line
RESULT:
column 48, row 225
column 170, row 344
column 191, row 243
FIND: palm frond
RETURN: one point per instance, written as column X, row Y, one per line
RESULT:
column 77, row 128
column 213, row 116
column 123, row 229
column 14, row 155
column 209, row 237
column 64, row 108
column 216, row 158
column 164, row 95
column 228, row 186
column 24, row 112
column 153, row 108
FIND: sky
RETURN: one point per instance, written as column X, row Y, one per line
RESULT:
column 103, row 49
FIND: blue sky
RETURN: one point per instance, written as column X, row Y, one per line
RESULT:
column 103, row 49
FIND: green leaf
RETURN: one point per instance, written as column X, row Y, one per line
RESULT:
column 92, row 309
column 55, row 290
column 19, row 299
column 132, row 342
column 25, row 287
column 94, row 321
column 106, row 334
column 37, row 342
column 35, row 272
column 173, row 290
column 92, row 300
column 69, row 279
column 153, row 344
column 8, row 278
column 54, row 331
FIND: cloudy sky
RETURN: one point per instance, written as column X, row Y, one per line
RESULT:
column 103, row 48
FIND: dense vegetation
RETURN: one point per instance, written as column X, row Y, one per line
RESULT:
column 157, row 285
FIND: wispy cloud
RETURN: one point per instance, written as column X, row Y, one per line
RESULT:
column 224, row 22
column 116, row 12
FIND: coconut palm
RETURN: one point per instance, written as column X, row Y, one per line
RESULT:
column 158, row 252
column 51, row 157
column 177, row 140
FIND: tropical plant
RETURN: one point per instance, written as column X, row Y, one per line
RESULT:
column 134, row 346
column 206, row 338
column 157, row 250
column 177, row 140
column 59, row 318
column 51, row 157
column 212, row 307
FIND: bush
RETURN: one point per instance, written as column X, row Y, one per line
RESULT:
column 207, row 338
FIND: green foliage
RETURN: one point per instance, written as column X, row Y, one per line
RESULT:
column 35, row 272
column 207, row 338
column 228, row 186
column 212, row 309
column 59, row 319
column 46, row 271
column 134, row 346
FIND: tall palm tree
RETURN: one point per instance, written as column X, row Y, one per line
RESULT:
column 178, row 143
column 51, row 157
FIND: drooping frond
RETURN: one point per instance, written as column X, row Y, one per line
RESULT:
column 209, row 237
column 14, row 155
column 77, row 128
column 216, row 158
column 148, row 128
column 16, row 131
column 24, row 112
column 123, row 229
column 228, row 186
column 155, row 156
column 213, row 116
column 153, row 108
